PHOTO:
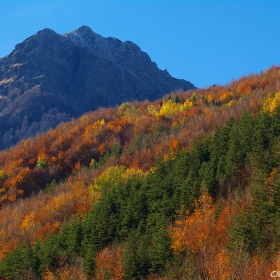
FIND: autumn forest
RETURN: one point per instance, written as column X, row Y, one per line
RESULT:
column 185, row 187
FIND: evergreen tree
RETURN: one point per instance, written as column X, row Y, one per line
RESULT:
column 72, row 236
column 20, row 264
column 160, row 249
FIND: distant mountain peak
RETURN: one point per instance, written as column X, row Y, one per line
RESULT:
column 42, row 37
column 84, row 37
column 45, row 32
column 85, row 30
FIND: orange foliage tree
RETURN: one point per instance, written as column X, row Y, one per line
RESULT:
column 202, row 237
column 108, row 263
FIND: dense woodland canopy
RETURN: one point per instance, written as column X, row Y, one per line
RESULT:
column 187, row 187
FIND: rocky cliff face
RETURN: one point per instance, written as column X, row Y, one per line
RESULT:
column 50, row 78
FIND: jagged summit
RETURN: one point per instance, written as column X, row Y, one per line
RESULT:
column 83, row 31
column 45, row 32
column 84, row 37
column 57, row 77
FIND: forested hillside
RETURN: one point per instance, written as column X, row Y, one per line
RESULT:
column 186, row 187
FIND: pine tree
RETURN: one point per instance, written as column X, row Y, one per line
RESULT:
column 160, row 250
column 20, row 264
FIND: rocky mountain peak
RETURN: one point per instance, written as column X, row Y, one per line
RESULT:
column 45, row 32
column 83, row 37
column 45, row 35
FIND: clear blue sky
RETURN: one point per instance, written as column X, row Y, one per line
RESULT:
column 205, row 42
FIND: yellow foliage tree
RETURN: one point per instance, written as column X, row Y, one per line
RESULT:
column 152, row 110
column 186, row 105
column 114, row 176
column 226, row 97
column 271, row 103
column 168, row 108
column 28, row 221
column 127, row 109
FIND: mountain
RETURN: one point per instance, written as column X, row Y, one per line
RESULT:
column 50, row 78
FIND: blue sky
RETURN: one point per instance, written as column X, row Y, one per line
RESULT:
column 205, row 42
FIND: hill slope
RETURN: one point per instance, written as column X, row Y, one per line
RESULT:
column 50, row 78
column 186, row 187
